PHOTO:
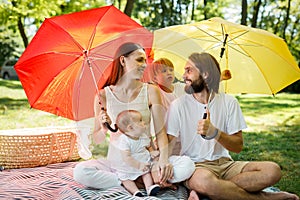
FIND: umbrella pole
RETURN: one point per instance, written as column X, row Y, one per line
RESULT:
column 98, row 94
column 225, row 49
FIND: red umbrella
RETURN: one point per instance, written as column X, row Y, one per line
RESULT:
column 69, row 57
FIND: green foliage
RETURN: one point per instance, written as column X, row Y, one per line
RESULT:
column 18, row 113
column 9, row 48
column 272, row 134
column 152, row 14
column 30, row 14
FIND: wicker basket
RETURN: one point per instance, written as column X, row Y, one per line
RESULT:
column 32, row 147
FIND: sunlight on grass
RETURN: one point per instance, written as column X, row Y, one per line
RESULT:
column 273, row 131
column 264, row 111
column 14, row 98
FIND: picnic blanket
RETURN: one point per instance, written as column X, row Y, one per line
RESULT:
column 56, row 181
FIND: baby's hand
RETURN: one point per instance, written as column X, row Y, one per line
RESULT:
column 145, row 167
column 154, row 154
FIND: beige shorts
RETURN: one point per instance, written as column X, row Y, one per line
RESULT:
column 223, row 168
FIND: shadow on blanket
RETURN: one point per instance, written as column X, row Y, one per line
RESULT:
column 56, row 181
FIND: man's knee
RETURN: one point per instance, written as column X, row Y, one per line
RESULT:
column 269, row 170
column 203, row 181
column 274, row 171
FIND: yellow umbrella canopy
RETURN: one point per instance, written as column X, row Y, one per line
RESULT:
column 259, row 61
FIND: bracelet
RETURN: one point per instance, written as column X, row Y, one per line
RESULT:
column 211, row 137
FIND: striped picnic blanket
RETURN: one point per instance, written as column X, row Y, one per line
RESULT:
column 56, row 181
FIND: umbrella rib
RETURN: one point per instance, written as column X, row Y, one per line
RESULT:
column 243, row 33
column 241, row 51
column 238, row 50
column 58, row 26
column 209, row 34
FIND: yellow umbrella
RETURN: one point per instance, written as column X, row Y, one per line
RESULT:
column 259, row 61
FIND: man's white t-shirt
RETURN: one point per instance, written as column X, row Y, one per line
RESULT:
column 184, row 114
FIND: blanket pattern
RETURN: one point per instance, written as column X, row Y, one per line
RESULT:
column 56, row 181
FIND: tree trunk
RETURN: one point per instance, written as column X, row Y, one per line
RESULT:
column 119, row 1
column 22, row 32
column 244, row 12
column 193, row 10
column 255, row 13
column 163, row 13
column 21, row 27
column 129, row 7
column 205, row 10
column 286, row 21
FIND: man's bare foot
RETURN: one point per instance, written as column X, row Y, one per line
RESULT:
column 168, row 185
column 280, row 196
column 193, row 195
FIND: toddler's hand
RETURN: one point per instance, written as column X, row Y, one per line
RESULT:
column 154, row 154
column 145, row 167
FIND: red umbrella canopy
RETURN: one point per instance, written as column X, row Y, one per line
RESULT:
column 70, row 54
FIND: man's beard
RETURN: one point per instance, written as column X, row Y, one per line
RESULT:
column 196, row 87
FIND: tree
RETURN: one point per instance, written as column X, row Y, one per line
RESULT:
column 286, row 21
column 129, row 7
column 244, row 12
column 9, row 46
column 23, row 14
column 256, row 7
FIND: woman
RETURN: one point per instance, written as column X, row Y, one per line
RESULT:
column 124, row 90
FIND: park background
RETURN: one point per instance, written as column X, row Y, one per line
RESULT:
column 273, row 121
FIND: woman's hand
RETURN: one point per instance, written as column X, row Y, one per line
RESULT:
column 103, row 117
column 100, row 130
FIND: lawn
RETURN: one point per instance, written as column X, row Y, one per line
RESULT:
column 273, row 127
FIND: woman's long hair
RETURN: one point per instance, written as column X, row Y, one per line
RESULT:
column 117, row 69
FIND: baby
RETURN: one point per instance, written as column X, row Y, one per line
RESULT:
column 136, row 153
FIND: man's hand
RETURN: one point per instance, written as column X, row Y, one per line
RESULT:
column 162, row 172
column 206, row 128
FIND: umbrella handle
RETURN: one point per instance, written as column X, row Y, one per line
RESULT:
column 108, row 125
column 110, row 128
column 204, row 117
column 208, row 137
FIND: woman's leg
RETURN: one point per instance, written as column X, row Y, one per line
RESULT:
column 183, row 168
column 96, row 174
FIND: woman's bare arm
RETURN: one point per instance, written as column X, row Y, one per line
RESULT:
column 157, row 110
column 100, row 115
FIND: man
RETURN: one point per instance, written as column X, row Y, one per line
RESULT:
column 208, row 141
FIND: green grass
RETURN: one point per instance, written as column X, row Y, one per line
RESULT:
column 18, row 113
column 273, row 128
